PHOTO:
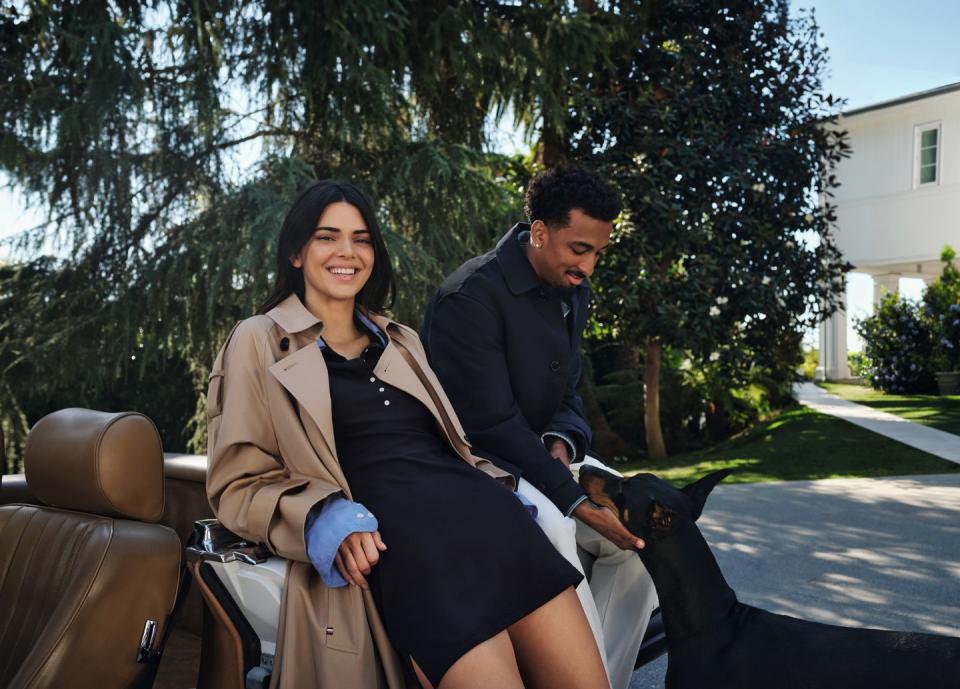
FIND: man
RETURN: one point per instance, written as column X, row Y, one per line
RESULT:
column 503, row 334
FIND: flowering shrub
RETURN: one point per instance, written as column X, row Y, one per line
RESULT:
column 949, row 342
column 899, row 346
column 942, row 300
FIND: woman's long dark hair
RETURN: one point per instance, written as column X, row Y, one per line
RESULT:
column 298, row 228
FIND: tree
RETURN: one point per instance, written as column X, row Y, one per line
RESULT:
column 166, row 140
column 711, row 119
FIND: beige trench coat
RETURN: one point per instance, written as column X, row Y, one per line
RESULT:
column 272, row 457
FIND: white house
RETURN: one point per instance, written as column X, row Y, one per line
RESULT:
column 899, row 199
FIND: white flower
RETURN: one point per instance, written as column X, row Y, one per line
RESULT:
column 759, row 187
column 808, row 218
column 722, row 300
column 714, row 311
column 715, row 356
column 765, row 280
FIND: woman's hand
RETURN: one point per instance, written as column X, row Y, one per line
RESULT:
column 357, row 555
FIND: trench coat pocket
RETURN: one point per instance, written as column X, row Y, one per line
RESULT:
column 346, row 623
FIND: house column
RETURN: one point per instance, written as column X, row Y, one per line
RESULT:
column 833, row 364
column 888, row 282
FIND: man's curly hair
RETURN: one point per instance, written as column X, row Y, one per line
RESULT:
column 553, row 193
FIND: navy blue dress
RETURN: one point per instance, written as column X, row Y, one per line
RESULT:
column 464, row 559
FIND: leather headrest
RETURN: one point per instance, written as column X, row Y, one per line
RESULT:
column 91, row 461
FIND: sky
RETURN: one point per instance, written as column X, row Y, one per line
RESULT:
column 879, row 50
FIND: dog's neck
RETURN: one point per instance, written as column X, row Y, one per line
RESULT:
column 693, row 593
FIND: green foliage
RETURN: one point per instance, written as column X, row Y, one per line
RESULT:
column 711, row 119
column 942, row 301
column 811, row 359
column 899, row 345
column 697, row 404
column 859, row 364
column 166, row 141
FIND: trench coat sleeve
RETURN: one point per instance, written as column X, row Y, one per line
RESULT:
column 466, row 344
column 250, row 490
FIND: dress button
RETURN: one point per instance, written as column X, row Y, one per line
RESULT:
column 372, row 379
column 386, row 403
column 381, row 389
column 554, row 365
column 359, row 515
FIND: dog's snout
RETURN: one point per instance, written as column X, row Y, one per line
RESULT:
column 661, row 517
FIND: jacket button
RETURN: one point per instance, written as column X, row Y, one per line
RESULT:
column 554, row 365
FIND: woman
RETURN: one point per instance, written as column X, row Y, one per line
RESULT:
column 332, row 442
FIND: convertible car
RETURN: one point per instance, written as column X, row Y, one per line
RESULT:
column 115, row 575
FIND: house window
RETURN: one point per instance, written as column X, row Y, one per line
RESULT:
column 928, row 154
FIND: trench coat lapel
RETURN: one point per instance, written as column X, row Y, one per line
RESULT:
column 394, row 370
column 304, row 375
column 403, row 377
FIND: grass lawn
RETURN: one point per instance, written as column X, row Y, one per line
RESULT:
column 941, row 412
column 800, row 444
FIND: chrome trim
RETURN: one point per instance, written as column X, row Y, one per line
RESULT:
column 145, row 652
column 213, row 541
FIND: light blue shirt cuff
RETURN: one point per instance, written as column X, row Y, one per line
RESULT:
column 568, row 441
column 531, row 508
column 327, row 524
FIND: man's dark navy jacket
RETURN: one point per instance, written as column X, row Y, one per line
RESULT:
column 510, row 361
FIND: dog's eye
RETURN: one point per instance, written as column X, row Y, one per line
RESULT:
column 660, row 516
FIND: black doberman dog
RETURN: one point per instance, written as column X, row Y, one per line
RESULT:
column 716, row 642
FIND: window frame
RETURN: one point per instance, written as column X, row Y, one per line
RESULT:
column 918, row 132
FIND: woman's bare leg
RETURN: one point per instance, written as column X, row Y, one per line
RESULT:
column 489, row 664
column 556, row 649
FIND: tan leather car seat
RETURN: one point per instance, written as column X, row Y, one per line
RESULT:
column 82, row 577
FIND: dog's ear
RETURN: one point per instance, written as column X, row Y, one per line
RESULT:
column 699, row 490
column 602, row 487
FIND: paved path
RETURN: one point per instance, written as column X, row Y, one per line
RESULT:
column 857, row 552
column 931, row 440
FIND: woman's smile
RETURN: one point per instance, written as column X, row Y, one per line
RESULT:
column 343, row 274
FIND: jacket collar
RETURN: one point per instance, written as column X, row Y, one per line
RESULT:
column 512, row 255
column 292, row 315
column 519, row 274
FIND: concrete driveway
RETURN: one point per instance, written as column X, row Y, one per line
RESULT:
column 856, row 552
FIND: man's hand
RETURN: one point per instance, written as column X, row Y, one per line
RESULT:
column 605, row 522
column 558, row 448
column 357, row 554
